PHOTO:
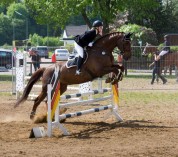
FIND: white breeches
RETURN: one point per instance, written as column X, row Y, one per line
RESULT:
column 79, row 49
column 163, row 53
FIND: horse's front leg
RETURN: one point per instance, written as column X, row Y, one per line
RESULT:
column 113, row 73
column 120, row 74
column 110, row 78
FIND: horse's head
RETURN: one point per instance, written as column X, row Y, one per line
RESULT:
column 125, row 46
column 149, row 49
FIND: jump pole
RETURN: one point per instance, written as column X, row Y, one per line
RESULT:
column 56, row 123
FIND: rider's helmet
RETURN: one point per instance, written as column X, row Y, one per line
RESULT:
column 166, row 37
column 97, row 23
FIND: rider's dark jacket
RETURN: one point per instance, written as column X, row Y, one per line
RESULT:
column 166, row 46
column 84, row 39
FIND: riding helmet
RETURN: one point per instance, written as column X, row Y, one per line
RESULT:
column 97, row 23
column 166, row 36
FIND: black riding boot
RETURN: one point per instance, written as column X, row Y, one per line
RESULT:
column 79, row 65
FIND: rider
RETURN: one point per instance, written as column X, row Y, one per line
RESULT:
column 86, row 39
column 166, row 48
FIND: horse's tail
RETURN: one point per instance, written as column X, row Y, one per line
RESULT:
column 34, row 78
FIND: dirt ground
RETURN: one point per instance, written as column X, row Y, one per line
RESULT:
column 147, row 130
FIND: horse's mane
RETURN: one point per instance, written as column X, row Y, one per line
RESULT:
column 106, row 35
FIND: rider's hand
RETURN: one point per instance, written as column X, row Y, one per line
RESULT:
column 90, row 44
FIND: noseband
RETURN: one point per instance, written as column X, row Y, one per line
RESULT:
column 125, row 39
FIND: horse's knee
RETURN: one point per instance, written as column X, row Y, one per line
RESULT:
column 114, row 81
column 108, row 80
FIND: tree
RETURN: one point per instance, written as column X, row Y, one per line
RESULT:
column 140, row 36
column 59, row 12
column 18, row 21
column 5, row 29
column 6, row 3
column 161, row 18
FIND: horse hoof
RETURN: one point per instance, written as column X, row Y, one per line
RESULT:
column 31, row 117
column 108, row 80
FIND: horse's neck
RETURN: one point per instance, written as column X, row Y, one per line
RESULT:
column 153, row 50
column 108, row 42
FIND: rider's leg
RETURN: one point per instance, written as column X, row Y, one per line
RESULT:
column 163, row 52
column 79, row 65
column 153, row 75
column 80, row 58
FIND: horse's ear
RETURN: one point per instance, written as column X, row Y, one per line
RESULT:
column 128, row 35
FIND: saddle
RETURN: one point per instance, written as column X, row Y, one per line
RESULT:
column 73, row 58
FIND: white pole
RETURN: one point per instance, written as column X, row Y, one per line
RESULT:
column 49, row 132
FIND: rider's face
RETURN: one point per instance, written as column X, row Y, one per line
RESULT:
column 100, row 29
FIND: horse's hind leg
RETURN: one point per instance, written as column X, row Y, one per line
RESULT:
column 37, row 101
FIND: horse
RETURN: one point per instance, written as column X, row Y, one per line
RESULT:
column 100, row 61
column 169, row 60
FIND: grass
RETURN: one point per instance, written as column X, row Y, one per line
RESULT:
column 2, row 94
column 140, row 97
column 5, row 77
column 148, row 76
column 50, row 54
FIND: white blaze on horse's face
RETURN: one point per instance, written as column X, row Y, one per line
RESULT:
column 145, row 53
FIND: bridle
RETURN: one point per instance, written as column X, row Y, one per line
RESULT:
column 125, row 39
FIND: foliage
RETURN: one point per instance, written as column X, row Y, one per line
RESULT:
column 2, row 8
column 140, row 33
column 161, row 18
column 7, row 2
column 5, row 29
column 160, row 15
column 37, row 40
column 52, row 41
column 172, row 48
column 140, row 36
column 105, row 10
column 16, row 23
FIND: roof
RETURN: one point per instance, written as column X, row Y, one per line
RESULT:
column 75, row 30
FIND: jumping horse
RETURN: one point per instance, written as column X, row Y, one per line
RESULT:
column 170, row 59
column 100, row 61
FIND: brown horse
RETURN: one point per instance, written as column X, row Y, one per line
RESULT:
column 170, row 59
column 100, row 62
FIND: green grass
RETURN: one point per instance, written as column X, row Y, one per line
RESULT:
column 148, row 97
column 50, row 54
column 147, row 76
column 5, row 77
column 2, row 94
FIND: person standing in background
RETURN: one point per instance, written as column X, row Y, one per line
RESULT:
column 156, row 69
column 35, row 58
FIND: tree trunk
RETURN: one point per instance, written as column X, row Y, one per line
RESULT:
column 86, row 19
